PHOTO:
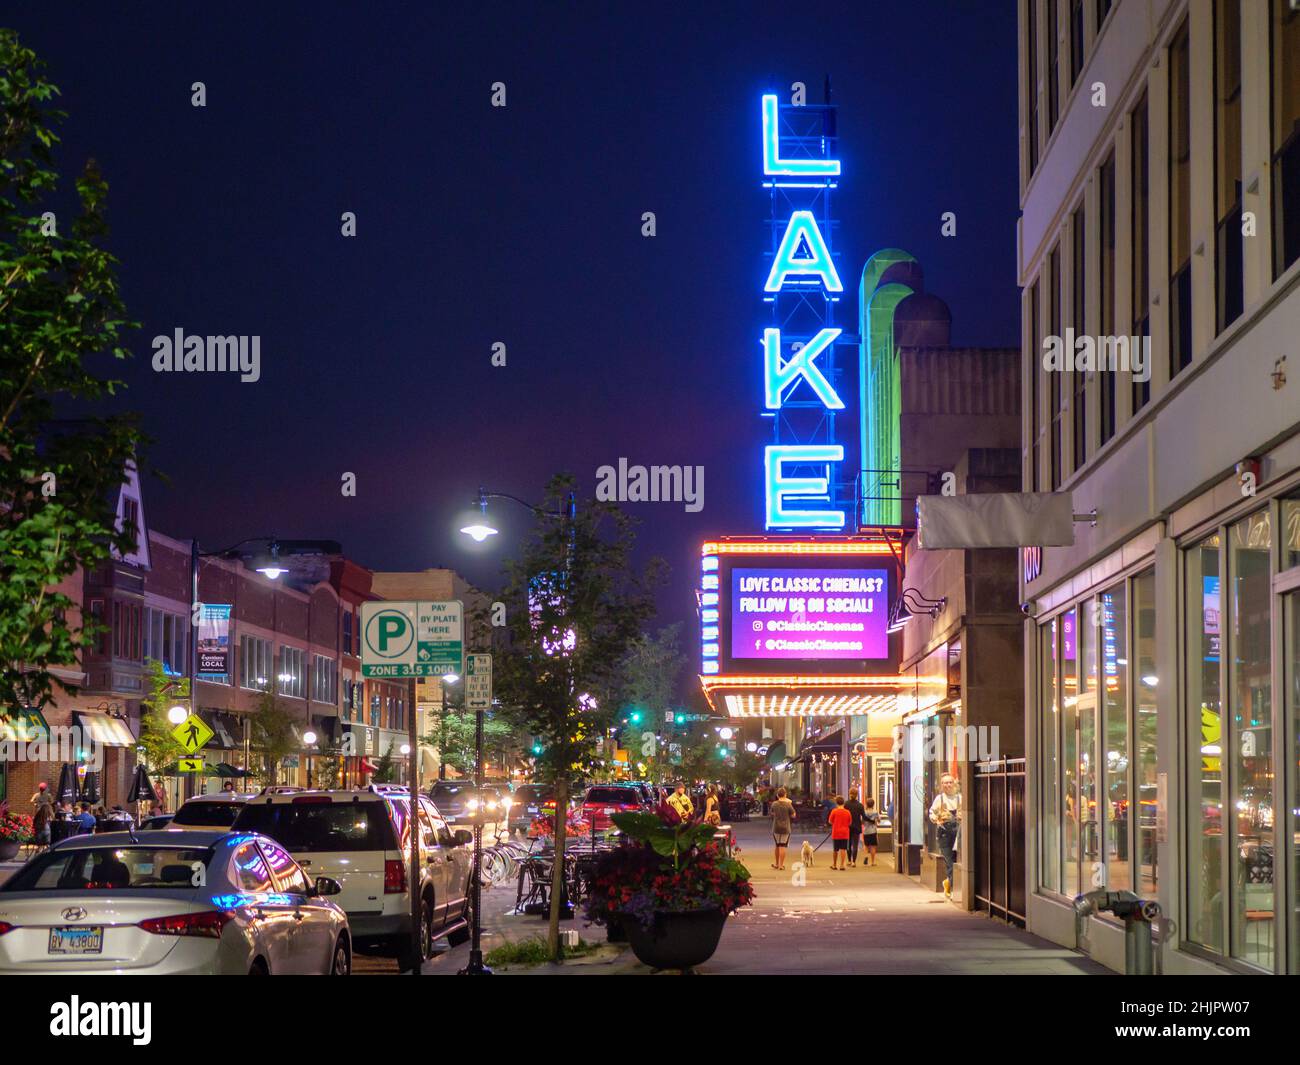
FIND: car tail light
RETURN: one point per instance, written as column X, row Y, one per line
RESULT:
column 207, row 923
column 394, row 877
column 5, row 926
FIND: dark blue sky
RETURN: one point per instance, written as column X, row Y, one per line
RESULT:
column 520, row 225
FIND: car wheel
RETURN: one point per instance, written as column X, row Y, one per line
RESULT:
column 419, row 947
column 462, row 934
column 259, row 968
column 342, row 962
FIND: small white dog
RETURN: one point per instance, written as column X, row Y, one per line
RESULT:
column 806, row 854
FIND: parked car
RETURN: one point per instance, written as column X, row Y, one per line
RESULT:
column 217, row 810
column 157, row 821
column 359, row 838
column 603, row 800
column 170, row 903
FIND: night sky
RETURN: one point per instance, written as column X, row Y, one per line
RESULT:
column 519, row 225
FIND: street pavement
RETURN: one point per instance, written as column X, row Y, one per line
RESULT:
column 862, row 921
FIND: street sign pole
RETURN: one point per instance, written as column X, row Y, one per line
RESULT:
column 413, row 821
column 478, row 694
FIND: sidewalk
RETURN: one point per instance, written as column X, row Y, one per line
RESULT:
column 860, row 921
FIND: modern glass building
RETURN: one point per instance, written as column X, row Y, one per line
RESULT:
column 1160, row 203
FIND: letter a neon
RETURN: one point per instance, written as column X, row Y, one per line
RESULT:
column 778, row 375
column 803, row 226
column 773, row 164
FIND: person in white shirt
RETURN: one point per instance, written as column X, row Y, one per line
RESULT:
column 946, row 812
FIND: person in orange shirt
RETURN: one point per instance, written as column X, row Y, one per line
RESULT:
column 840, row 820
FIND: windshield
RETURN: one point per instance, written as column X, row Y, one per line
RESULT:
column 105, row 868
column 327, row 826
column 207, row 814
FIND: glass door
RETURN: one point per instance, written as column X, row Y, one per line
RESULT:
column 1291, row 709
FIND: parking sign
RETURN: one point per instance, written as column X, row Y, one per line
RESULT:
column 411, row 639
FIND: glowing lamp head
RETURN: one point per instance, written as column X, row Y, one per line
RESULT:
column 309, row 737
column 177, row 714
column 478, row 531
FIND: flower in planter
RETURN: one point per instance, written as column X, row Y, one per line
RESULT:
column 16, row 828
column 664, row 865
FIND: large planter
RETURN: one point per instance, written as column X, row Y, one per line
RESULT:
column 676, row 940
column 9, row 849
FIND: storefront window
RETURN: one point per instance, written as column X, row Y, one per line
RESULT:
column 1251, row 739
column 1070, row 818
column 1050, row 835
column 1115, row 745
column 1205, row 785
column 1290, row 533
column 1091, row 816
column 1291, row 667
column 1144, row 726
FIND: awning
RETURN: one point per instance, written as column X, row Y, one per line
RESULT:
column 23, row 726
column 825, row 744
column 102, row 728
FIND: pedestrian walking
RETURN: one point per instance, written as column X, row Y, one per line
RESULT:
column 945, row 812
column 857, row 810
column 782, row 810
column 840, row 821
column 871, row 830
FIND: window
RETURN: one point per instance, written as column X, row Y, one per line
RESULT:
column 324, row 680
column 1050, row 818
column 288, row 873
column 1106, row 280
column 1205, row 786
column 1180, row 203
column 1035, row 376
column 347, row 631
column 1053, row 82
column 1070, row 817
column 1076, row 40
column 102, row 631
column 374, row 711
column 291, row 672
column 250, row 870
column 1054, row 327
column 1113, row 758
column 1250, row 739
column 255, row 663
column 1144, row 727
column 1228, row 275
column 1103, row 9
column 1078, row 315
column 1031, row 81
column 1286, row 134
column 1141, row 244
column 131, row 521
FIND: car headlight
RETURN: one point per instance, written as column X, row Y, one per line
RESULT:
column 472, row 804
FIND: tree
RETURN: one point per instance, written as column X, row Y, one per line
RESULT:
column 272, row 738
column 648, row 687
column 575, row 605
column 454, row 737
column 385, row 768
column 744, row 772
column 160, row 748
column 59, row 310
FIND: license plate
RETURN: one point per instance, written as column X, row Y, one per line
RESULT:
column 88, row 940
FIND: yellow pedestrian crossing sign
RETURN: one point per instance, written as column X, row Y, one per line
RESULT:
column 189, row 765
column 193, row 733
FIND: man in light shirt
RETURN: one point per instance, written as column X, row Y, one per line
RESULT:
column 946, row 812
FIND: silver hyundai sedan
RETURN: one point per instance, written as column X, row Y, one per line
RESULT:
column 170, row 902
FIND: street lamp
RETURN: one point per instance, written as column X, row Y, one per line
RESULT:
column 177, row 715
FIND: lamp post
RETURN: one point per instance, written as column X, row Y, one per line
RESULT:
column 478, row 528
column 309, row 741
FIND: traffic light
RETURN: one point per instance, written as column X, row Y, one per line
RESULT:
column 635, row 717
column 679, row 718
column 537, row 748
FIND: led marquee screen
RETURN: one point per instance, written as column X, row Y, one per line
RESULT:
column 780, row 613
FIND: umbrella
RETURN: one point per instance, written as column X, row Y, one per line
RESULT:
column 142, row 789
column 67, row 783
column 776, row 753
column 90, row 788
column 225, row 769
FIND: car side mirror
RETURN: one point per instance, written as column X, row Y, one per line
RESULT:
column 463, row 837
column 327, row 885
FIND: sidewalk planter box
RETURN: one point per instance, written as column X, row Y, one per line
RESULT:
column 676, row 940
column 9, row 849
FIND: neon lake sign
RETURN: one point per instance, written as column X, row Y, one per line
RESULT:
column 802, row 262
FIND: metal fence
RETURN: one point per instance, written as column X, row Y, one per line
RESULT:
column 999, row 851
